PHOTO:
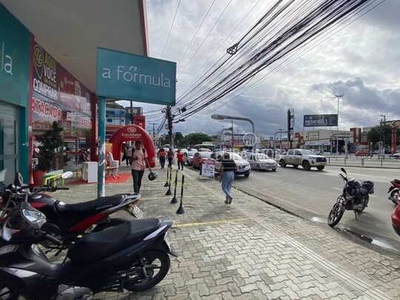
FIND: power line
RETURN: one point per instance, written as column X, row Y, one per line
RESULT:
column 170, row 28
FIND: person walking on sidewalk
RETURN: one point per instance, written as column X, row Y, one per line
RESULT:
column 179, row 156
column 128, row 155
column 227, row 174
column 161, row 156
column 139, row 163
column 170, row 156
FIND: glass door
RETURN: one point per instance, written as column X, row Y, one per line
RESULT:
column 8, row 140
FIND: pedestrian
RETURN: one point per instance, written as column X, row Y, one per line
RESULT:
column 161, row 156
column 179, row 156
column 227, row 174
column 170, row 156
column 128, row 155
column 139, row 163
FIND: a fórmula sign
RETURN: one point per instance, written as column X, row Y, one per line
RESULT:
column 123, row 75
column 320, row 120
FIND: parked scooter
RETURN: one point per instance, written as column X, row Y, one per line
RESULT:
column 69, row 221
column 132, row 256
column 355, row 196
column 394, row 190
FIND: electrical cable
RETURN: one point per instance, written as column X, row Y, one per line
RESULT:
column 170, row 28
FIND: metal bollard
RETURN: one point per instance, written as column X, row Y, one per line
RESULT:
column 180, row 209
column 169, row 183
column 166, row 180
column 176, row 183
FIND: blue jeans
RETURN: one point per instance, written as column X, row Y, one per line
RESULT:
column 137, row 180
column 227, row 180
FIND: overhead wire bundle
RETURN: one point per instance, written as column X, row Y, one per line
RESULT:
column 286, row 28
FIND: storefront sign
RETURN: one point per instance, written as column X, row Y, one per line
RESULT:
column 57, row 95
column 127, row 76
column 14, row 60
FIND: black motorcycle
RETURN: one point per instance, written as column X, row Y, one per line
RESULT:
column 132, row 256
column 355, row 197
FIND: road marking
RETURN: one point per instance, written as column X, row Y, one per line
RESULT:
column 210, row 222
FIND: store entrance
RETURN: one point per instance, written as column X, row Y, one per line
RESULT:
column 8, row 140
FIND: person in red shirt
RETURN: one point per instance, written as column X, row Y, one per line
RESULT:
column 179, row 156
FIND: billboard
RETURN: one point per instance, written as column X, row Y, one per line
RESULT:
column 320, row 120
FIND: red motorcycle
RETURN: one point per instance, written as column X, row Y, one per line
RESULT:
column 394, row 190
column 67, row 222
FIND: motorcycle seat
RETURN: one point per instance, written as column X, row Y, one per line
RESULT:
column 98, row 245
column 397, row 181
column 85, row 209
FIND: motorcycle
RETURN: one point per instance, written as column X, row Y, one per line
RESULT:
column 355, row 196
column 394, row 190
column 133, row 256
column 67, row 222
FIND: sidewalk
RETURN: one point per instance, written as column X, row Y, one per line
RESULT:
column 251, row 250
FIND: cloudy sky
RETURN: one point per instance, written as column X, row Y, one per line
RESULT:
column 361, row 61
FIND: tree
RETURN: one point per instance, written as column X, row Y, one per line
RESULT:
column 179, row 138
column 196, row 138
column 380, row 133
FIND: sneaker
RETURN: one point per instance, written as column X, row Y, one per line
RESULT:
column 227, row 201
column 230, row 200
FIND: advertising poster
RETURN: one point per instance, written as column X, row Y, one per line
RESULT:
column 57, row 96
column 320, row 120
column 208, row 168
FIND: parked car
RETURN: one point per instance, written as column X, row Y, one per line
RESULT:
column 188, row 156
column 362, row 153
column 243, row 166
column 395, row 155
column 261, row 161
column 200, row 156
column 301, row 157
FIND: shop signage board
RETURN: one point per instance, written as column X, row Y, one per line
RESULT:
column 320, row 120
column 122, row 75
column 57, row 95
column 15, row 41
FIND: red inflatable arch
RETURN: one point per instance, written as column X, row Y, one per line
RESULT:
column 133, row 133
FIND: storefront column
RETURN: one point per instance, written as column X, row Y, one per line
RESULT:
column 94, row 132
column 101, row 192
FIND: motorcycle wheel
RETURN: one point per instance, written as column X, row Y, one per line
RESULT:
column 336, row 214
column 153, row 261
column 10, row 290
column 394, row 195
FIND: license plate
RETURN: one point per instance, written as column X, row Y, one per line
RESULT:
column 136, row 212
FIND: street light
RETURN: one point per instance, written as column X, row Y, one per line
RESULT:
column 337, row 136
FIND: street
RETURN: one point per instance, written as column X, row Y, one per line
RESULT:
column 311, row 195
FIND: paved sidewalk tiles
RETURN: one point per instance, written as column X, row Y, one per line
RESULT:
column 251, row 250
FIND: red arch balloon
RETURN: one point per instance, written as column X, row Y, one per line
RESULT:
column 133, row 132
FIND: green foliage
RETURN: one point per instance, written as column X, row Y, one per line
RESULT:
column 196, row 138
column 380, row 133
column 50, row 140
column 178, row 139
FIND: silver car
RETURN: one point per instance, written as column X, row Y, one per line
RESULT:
column 243, row 166
column 260, row 161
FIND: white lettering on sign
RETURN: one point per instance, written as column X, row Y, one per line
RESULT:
column 132, row 74
column 46, row 109
column 44, row 89
column 5, row 60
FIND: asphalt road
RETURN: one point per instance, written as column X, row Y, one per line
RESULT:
column 311, row 195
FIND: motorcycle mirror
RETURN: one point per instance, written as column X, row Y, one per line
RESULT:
column 67, row 174
column 18, row 180
column 343, row 170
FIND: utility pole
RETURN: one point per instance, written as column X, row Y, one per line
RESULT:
column 337, row 133
column 154, row 132
column 169, row 122
column 383, row 133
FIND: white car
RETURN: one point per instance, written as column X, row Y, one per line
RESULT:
column 260, row 161
column 243, row 166
column 301, row 157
